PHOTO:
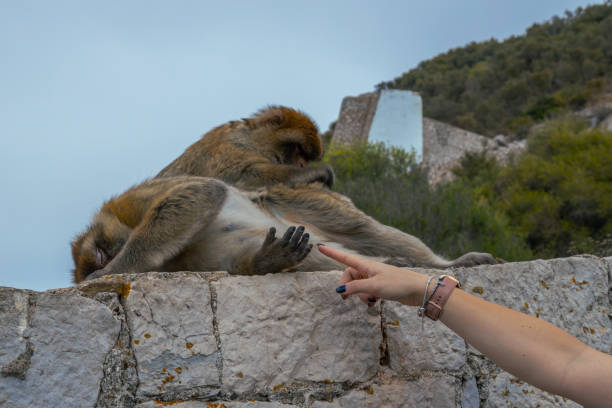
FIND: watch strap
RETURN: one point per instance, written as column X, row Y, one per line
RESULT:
column 435, row 305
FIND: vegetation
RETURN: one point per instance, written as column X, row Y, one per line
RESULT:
column 558, row 195
column 555, row 199
column 496, row 87
column 386, row 183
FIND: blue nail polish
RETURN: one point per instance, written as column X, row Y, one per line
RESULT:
column 341, row 289
column 372, row 299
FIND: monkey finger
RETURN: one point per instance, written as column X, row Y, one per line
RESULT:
column 303, row 253
column 287, row 236
column 270, row 237
column 295, row 240
column 304, row 242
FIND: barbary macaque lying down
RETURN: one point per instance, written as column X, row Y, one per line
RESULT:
column 190, row 223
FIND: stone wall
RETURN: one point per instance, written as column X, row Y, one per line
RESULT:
column 444, row 145
column 284, row 340
column 355, row 118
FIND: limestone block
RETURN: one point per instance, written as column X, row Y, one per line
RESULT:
column 507, row 391
column 14, row 320
column 217, row 404
column 171, row 323
column 570, row 293
column 609, row 260
column 432, row 391
column 471, row 396
column 70, row 336
column 355, row 118
column 282, row 328
column 413, row 349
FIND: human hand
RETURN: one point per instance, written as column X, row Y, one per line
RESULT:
column 371, row 280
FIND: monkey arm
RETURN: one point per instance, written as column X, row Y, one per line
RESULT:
column 270, row 173
column 168, row 226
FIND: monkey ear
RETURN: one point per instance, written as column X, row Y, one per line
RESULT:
column 272, row 116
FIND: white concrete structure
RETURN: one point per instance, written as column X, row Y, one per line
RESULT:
column 398, row 120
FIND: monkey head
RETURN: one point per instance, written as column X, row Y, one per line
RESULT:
column 285, row 136
column 98, row 245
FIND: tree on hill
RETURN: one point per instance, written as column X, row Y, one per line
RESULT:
column 496, row 87
column 558, row 195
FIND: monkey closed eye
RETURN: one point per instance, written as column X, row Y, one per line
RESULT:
column 101, row 257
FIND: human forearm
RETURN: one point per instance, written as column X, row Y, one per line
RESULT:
column 531, row 349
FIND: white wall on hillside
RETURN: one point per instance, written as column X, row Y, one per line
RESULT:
column 399, row 120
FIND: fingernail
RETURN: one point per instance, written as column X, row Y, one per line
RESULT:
column 320, row 245
column 341, row 289
column 372, row 299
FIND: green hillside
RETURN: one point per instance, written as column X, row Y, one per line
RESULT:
column 504, row 87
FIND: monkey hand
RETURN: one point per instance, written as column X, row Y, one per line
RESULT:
column 97, row 274
column 328, row 177
column 318, row 174
column 278, row 255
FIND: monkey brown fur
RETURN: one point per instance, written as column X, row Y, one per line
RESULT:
column 202, row 224
column 273, row 146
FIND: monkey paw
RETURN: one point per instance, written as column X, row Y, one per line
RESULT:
column 96, row 274
column 474, row 259
column 329, row 178
column 277, row 255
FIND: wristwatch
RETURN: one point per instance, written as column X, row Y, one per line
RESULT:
column 437, row 300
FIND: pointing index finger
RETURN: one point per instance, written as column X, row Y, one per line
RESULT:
column 348, row 259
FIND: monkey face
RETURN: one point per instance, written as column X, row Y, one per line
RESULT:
column 97, row 246
column 87, row 255
column 293, row 155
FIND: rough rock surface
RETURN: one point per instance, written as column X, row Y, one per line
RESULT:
column 355, row 118
column 286, row 340
column 427, row 391
column 68, row 336
column 298, row 330
column 417, row 345
column 507, row 391
column 218, row 404
column 444, row 145
column 171, row 322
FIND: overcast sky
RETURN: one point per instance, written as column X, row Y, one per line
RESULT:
column 97, row 96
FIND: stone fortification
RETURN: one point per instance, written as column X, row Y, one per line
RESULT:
column 443, row 144
column 284, row 340
column 355, row 119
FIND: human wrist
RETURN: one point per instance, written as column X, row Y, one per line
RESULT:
column 416, row 289
column 433, row 305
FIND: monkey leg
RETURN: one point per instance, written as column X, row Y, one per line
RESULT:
column 276, row 255
column 337, row 218
column 169, row 225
